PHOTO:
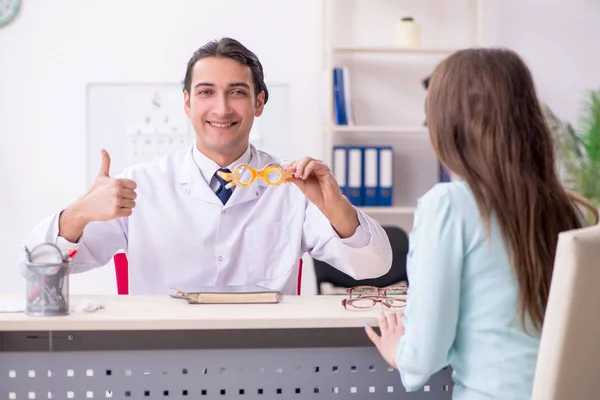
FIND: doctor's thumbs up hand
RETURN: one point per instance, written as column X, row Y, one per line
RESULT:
column 108, row 198
column 315, row 180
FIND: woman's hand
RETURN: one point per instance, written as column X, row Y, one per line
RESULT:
column 391, row 331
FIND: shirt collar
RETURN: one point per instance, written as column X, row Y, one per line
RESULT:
column 208, row 167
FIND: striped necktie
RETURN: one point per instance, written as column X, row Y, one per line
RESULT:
column 222, row 193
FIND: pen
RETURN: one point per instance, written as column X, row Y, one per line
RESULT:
column 70, row 254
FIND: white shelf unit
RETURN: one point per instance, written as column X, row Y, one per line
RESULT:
column 379, row 129
column 391, row 50
column 389, row 210
column 370, row 55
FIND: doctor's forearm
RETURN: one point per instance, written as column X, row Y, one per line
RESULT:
column 71, row 224
column 343, row 218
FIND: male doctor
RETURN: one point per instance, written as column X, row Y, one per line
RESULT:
column 182, row 227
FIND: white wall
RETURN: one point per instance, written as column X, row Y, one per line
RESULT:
column 559, row 41
column 52, row 49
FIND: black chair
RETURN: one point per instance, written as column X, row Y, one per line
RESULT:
column 325, row 273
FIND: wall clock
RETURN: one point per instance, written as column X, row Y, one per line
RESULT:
column 8, row 10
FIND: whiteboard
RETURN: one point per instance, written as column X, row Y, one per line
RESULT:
column 136, row 123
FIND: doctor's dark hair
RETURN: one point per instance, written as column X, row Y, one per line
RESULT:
column 487, row 127
column 229, row 48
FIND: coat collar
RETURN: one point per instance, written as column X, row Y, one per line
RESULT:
column 191, row 180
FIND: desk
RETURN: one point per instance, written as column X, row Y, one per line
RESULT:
column 149, row 347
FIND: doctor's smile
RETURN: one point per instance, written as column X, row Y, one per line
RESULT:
column 221, row 125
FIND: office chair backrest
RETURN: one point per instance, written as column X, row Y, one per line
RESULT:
column 325, row 273
column 122, row 273
column 569, row 355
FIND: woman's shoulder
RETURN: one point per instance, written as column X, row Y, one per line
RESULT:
column 456, row 195
column 450, row 207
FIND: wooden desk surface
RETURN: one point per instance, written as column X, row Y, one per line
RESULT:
column 162, row 312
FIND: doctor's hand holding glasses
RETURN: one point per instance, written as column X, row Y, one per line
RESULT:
column 313, row 177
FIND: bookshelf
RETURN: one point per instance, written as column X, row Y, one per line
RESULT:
column 391, row 50
column 387, row 210
column 386, row 85
column 379, row 129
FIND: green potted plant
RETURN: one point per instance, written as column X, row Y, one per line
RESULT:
column 578, row 149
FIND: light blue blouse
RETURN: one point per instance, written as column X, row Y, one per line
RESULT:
column 462, row 305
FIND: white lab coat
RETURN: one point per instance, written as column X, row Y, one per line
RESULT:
column 181, row 235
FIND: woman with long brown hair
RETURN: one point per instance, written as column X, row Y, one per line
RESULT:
column 482, row 247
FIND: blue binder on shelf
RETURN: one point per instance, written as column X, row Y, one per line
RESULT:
column 386, row 176
column 370, row 176
column 444, row 175
column 340, row 168
column 338, row 97
column 354, row 176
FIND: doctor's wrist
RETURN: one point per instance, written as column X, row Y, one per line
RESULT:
column 72, row 222
column 343, row 217
column 78, row 213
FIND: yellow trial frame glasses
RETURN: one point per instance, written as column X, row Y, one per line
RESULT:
column 234, row 178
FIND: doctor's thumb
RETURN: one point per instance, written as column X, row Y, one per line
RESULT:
column 105, row 167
